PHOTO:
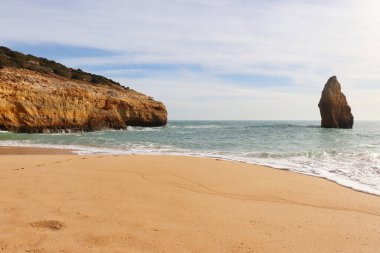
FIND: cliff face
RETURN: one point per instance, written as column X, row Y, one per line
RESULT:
column 334, row 109
column 32, row 101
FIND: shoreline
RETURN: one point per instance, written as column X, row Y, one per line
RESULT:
column 143, row 203
column 27, row 150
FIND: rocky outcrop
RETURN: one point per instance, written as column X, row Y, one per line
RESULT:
column 335, row 111
column 33, row 101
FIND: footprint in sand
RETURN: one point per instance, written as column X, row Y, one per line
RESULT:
column 52, row 225
column 105, row 240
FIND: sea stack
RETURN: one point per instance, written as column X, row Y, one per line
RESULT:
column 42, row 96
column 333, row 106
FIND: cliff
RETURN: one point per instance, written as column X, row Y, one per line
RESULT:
column 334, row 109
column 34, row 98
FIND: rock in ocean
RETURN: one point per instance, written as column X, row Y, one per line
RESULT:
column 41, row 96
column 333, row 106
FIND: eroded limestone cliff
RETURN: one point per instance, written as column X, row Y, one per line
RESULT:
column 32, row 101
column 334, row 109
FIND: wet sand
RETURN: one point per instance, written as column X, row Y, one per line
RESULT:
column 33, row 151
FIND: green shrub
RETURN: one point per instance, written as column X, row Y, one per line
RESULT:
column 95, row 80
column 76, row 76
column 62, row 72
column 9, row 58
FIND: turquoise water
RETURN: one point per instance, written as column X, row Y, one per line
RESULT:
column 348, row 157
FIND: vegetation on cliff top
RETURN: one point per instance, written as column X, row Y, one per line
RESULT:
column 10, row 58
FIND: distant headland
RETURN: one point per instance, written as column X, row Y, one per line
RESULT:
column 38, row 95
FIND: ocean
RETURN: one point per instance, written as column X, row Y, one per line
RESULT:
column 350, row 157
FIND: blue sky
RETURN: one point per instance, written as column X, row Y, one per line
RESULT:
column 212, row 59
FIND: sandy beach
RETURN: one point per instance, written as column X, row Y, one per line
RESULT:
column 69, row 203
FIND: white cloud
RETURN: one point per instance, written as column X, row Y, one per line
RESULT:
column 306, row 41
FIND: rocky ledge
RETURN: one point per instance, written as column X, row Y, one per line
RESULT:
column 333, row 106
column 43, row 102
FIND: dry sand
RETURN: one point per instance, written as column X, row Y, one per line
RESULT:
column 68, row 203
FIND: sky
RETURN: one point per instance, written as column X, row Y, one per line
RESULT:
column 213, row 59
